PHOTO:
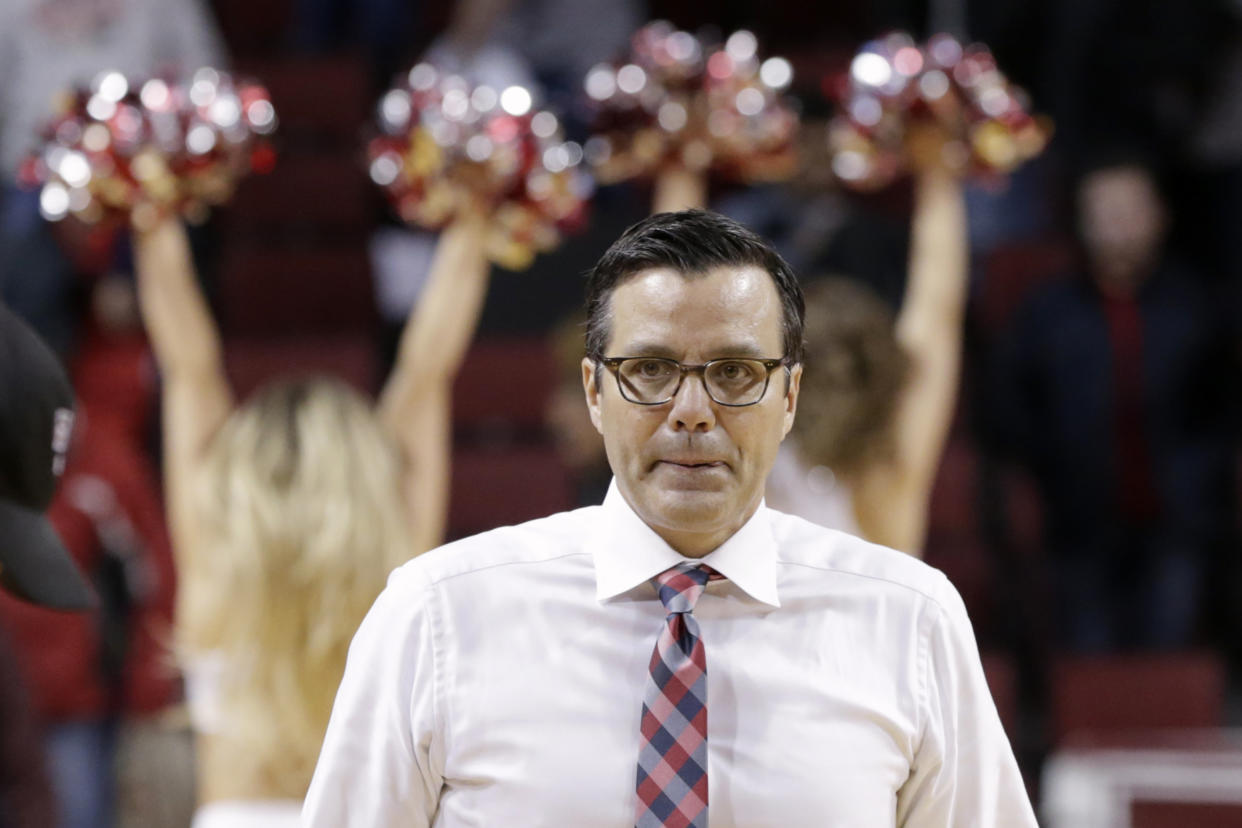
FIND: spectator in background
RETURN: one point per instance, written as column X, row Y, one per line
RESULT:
column 94, row 675
column 46, row 47
column 1113, row 388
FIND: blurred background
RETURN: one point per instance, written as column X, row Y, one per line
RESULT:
column 1095, row 435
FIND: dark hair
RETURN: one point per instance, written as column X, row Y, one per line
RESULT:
column 691, row 242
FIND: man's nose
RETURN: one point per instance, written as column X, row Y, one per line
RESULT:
column 692, row 408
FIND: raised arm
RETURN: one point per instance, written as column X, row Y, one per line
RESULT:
column 415, row 402
column 679, row 188
column 892, row 501
column 196, row 396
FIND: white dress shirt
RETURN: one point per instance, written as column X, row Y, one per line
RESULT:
column 499, row 681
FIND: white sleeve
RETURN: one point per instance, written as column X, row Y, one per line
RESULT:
column 382, row 757
column 964, row 771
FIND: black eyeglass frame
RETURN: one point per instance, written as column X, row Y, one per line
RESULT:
column 613, row 364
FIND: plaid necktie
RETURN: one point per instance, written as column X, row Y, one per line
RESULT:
column 672, row 756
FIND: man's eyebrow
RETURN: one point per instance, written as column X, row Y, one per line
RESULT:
column 651, row 349
column 655, row 349
column 747, row 349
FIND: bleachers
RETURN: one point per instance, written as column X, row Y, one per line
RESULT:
column 309, row 192
column 1151, row 814
column 1100, row 698
column 1012, row 271
column 252, row 362
column 318, row 99
column 502, row 485
column 503, row 385
column 270, row 290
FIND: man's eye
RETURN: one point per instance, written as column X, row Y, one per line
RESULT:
column 652, row 369
column 734, row 371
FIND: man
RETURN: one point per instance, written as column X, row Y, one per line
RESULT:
column 1116, row 388
column 800, row 676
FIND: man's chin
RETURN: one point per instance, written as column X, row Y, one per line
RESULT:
column 691, row 510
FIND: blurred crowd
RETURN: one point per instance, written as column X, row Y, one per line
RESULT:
column 1086, row 501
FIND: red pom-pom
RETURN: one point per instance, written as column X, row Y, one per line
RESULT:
column 446, row 144
column 138, row 151
column 679, row 101
column 893, row 83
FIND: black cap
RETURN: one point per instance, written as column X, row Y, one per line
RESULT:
column 36, row 419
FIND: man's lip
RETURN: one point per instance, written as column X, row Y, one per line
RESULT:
column 692, row 464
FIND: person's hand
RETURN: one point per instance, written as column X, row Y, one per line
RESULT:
column 155, row 235
column 932, row 148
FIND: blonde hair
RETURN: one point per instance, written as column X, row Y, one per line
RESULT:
column 854, row 374
column 299, row 507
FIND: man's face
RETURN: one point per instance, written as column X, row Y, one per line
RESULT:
column 1122, row 225
column 691, row 468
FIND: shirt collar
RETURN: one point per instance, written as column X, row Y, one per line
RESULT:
column 628, row 552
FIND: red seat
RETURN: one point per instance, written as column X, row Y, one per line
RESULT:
column 307, row 190
column 1024, row 511
column 252, row 362
column 320, row 288
column 1150, row 814
column 1002, row 676
column 953, row 498
column 502, row 486
column 1012, row 271
column 967, row 563
column 954, row 540
column 1095, row 696
column 504, row 385
column 323, row 98
column 251, row 27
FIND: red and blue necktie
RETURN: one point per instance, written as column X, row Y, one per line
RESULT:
column 672, row 756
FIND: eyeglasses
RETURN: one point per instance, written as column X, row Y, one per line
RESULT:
column 656, row 380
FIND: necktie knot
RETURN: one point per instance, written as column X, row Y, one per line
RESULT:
column 681, row 586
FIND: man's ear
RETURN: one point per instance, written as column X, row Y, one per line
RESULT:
column 591, row 386
column 791, row 396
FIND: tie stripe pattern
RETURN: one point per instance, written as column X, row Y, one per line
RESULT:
column 672, row 758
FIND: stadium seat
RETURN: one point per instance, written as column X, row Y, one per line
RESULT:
column 252, row 362
column 503, row 387
column 1095, row 696
column 1002, row 675
column 505, row 485
column 1150, row 814
column 300, row 87
column 268, row 290
column 308, row 191
column 1012, row 271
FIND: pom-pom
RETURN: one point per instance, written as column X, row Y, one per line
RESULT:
column 680, row 101
column 124, row 149
column 893, row 83
column 445, row 144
